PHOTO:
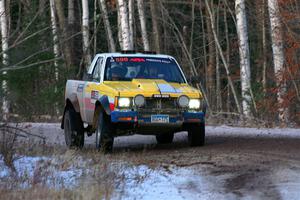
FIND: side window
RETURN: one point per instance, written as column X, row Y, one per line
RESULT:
column 97, row 70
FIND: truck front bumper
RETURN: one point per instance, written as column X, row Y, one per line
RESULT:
column 133, row 117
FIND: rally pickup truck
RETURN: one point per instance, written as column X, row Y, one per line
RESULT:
column 132, row 93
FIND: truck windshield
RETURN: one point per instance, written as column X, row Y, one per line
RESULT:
column 128, row 68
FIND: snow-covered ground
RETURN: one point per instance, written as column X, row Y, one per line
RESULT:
column 143, row 182
column 44, row 170
column 237, row 163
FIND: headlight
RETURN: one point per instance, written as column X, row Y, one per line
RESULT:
column 183, row 101
column 194, row 104
column 139, row 100
column 124, row 102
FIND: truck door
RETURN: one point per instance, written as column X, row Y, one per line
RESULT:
column 91, row 93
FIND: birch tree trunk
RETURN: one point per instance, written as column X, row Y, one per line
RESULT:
column 140, row 4
column 131, row 20
column 4, row 39
column 278, row 57
column 54, row 35
column 55, row 47
column 154, row 16
column 85, row 33
column 111, row 42
column 240, row 11
column 125, row 35
column 119, row 28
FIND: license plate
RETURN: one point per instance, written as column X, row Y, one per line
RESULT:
column 159, row 118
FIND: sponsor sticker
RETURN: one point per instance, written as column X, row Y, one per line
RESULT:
column 80, row 87
column 95, row 94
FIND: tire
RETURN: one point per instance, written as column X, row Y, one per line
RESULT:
column 104, row 133
column 74, row 130
column 165, row 138
column 196, row 134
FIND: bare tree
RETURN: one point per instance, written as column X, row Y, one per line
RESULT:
column 71, row 26
column 64, row 39
column 125, row 35
column 111, row 42
column 218, row 67
column 210, row 72
column 86, row 33
column 54, row 33
column 71, row 13
column 227, row 52
column 55, row 46
column 264, row 47
column 155, row 32
column 278, row 57
column 140, row 4
column 4, row 39
column 242, row 30
column 212, row 23
column 95, row 19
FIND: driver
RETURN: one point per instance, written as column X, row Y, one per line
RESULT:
column 118, row 73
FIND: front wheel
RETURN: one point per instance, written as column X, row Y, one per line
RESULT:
column 104, row 133
column 196, row 134
column 74, row 130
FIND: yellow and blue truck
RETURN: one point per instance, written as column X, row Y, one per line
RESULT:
column 132, row 93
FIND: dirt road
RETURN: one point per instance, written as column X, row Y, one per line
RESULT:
column 235, row 163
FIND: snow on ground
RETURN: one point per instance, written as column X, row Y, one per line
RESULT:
column 140, row 182
column 252, row 132
column 143, row 182
column 175, row 184
column 287, row 183
column 42, row 170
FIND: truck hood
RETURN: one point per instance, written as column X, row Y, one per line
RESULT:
column 148, row 87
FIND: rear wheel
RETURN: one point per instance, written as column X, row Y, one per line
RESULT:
column 196, row 134
column 74, row 130
column 164, row 138
column 104, row 133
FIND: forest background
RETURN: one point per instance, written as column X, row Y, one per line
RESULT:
column 245, row 51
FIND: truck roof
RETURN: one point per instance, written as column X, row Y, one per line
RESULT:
column 134, row 55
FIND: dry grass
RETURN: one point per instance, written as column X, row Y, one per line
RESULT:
column 37, row 192
column 100, row 176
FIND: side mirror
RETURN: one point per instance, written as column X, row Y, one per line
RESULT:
column 195, row 79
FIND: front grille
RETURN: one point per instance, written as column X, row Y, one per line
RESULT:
column 161, row 103
column 154, row 106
